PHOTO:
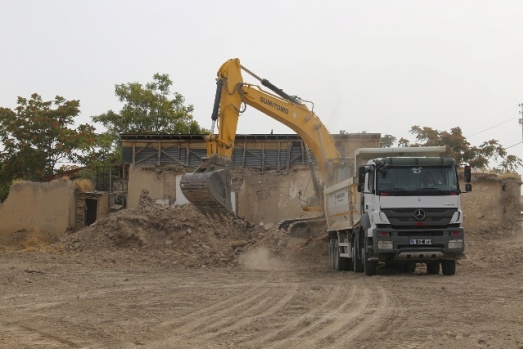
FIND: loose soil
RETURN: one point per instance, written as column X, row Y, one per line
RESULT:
column 164, row 277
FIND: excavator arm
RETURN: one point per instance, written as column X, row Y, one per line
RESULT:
column 208, row 188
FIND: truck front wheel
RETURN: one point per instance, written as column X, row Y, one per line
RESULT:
column 448, row 267
column 370, row 267
column 356, row 259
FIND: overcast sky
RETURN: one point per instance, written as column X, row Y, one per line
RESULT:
column 375, row 66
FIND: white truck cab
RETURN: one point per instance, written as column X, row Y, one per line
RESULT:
column 405, row 209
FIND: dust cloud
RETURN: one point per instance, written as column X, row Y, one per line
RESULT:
column 260, row 258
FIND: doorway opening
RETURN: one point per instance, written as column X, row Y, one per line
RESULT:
column 91, row 206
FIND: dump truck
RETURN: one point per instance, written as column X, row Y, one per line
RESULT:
column 377, row 205
column 401, row 207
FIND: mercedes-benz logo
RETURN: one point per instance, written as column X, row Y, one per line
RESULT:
column 419, row 214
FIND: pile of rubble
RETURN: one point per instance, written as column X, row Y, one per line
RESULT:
column 191, row 238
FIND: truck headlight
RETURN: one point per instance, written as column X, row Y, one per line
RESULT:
column 457, row 217
column 383, row 218
column 385, row 245
column 456, row 243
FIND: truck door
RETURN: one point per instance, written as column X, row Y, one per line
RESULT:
column 368, row 192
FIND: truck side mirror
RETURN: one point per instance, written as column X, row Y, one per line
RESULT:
column 468, row 173
column 468, row 177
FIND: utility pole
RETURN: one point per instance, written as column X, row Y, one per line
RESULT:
column 521, row 120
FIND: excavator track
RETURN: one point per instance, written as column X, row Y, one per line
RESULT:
column 209, row 191
column 304, row 227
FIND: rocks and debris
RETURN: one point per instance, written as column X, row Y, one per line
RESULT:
column 186, row 236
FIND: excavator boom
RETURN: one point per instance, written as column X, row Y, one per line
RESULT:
column 208, row 188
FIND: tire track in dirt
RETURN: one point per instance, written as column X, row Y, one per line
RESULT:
column 249, row 315
column 365, row 320
column 36, row 337
column 326, row 327
column 295, row 327
column 249, row 298
column 33, row 311
column 348, row 311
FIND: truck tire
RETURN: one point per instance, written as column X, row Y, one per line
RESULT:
column 357, row 265
column 341, row 262
column 332, row 243
column 433, row 268
column 369, row 267
column 410, row 267
column 448, row 267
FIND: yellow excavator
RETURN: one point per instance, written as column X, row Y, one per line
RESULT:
column 208, row 188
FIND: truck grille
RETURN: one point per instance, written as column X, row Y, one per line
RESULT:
column 423, row 233
column 432, row 217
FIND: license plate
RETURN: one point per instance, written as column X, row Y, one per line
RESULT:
column 420, row 241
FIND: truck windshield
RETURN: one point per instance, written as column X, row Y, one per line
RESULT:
column 411, row 180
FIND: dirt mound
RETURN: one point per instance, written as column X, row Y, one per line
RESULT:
column 187, row 236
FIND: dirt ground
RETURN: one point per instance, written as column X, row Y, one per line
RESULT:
column 162, row 277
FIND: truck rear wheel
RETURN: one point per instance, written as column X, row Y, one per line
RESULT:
column 406, row 267
column 340, row 263
column 332, row 252
column 448, row 267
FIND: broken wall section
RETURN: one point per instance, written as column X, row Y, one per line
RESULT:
column 159, row 182
column 493, row 204
column 258, row 197
column 46, row 207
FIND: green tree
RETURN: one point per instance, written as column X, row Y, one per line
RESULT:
column 150, row 109
column 387, row 141
column 510, row 164
column 37, row 135
column 147, row 109
column 403, row 142
column 460, row 149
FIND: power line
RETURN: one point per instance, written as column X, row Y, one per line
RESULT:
column 491, row 127
column 513, row 145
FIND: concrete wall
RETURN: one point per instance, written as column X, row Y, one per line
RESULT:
column 47, row 207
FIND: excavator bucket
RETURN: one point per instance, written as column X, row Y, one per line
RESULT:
column 209, row 190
